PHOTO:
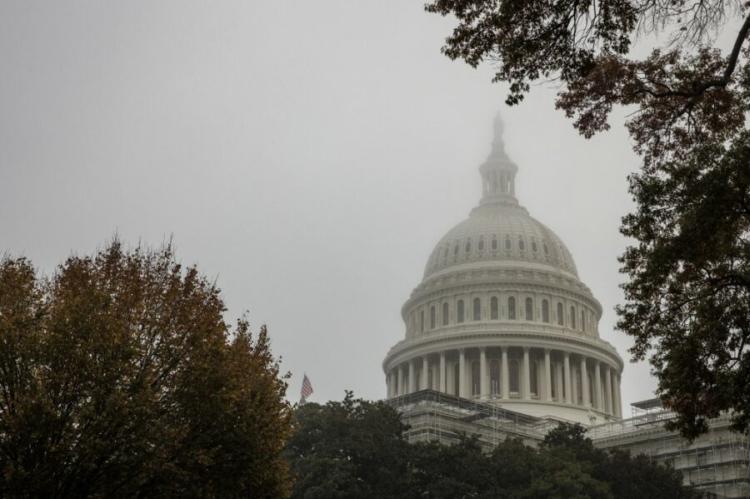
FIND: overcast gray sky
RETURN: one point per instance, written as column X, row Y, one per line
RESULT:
column 307, row 154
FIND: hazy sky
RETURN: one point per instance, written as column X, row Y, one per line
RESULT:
column 306, row 154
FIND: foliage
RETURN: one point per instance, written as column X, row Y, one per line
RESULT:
column 120, row 378
column 688, row 270
column 352, row 448
column 357, row 449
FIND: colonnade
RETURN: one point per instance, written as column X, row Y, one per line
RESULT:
column 518, row 373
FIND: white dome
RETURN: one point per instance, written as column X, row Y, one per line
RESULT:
column 500, row 232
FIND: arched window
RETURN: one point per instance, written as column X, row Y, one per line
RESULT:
column 521, row 244
column 533, row 245
column 572, row 317
column 494, row 377
column 481, row 243
column 493, row 308
column 421, row 321
column 460, row 311
column 583, row 320
column 513, row 373
column 546, row 250
column 468, row 245
column 432, row 317
column 475, row 378
column 494, row 242
column 534, row 378
column 507, row 242
column 445, row 314
column 560, row 315
column 511, row 308
column 529, row 309
column 545, row 311
column 477, row 309
column 455, row 250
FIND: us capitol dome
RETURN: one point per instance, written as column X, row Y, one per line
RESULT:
column 502, row 318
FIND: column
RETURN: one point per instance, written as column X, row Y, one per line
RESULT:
column 547, row 376
column 484, row 391
column 462, row 373
column 443, row 386
column 526, row 391
column 559, row 380
column 618, row 399
column 568, row 393
column 598, row 387
column 425, row 373
column 610, row 408
column 412, row 378
column 401, row 390
column 504, row 374
column 585, row 383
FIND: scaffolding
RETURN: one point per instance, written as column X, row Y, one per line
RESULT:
column 716, row 463
column 432, row 415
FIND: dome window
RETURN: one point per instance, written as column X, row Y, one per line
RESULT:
column 432, row 317
column 460, row 311
column 494, row 242
column 493, row 308
column 545, row 311
column 533, row 246
column 572, row 317
column 546, row 249
column 468, row 245
column 477, row 309
column 480, row 246
column 512, row 308
column 421, row 321
column 529, row 309
column 445, row 314
column 560, row 314
column 583, row 320
column 521, row 244
column 455, row 250
column 507, row 242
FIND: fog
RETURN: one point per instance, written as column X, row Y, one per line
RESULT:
column 306, row 155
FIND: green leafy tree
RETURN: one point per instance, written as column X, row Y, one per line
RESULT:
column 688, row 291
column 348, row 449
column 120, row 378
column 355, row 448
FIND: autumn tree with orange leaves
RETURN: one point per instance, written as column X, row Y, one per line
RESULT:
column 119, row 377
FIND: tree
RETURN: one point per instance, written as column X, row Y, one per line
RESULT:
column 356, row 448
column 687, row 297
column 353, row 448
column 120, row 378
column 626, row 476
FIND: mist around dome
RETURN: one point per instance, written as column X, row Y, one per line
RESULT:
column 501, row 316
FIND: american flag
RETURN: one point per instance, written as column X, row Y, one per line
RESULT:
column 306, row 389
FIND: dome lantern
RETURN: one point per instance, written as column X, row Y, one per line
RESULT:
column 498, row 171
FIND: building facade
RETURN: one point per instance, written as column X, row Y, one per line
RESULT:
column 502, row 340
